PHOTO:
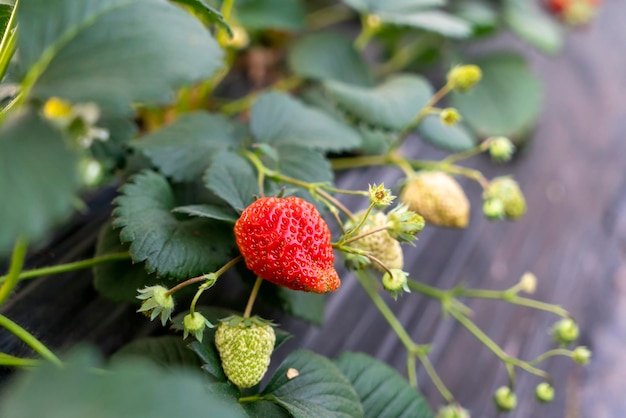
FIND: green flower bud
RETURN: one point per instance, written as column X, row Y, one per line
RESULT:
column 544, row 392
column 404, row 223
column 493, row 209
column 452, row 411
column 156, row 302
column 380, row 196
column 505, row 399
column 195, row 323
column 581, row 355
column 501, row 149
column 450, row 116
column 565, row 331
column 90, row 171
column 396, row 282
column 463, row 77
column 507, row 190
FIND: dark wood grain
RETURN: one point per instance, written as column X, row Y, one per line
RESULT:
column 573, row 238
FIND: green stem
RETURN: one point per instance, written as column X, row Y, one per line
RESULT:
column 12, row 361
column 551, row 353
column 17, row 262
column 356, row 162
column 434, row 376
column 253, row 295
column 424, row 289
column 222, row 33
column 405, row 55
column 411, row 369
column 64, row 268
column 368, row 30
column 203, row 277
column 251, row 398
column 513, row 299
column 9, row 40
column 370, row 288
column 413, row 349
column 29, row 339
column 362, row 221
column 365, row 234
column 480, row 335
column 451, row 159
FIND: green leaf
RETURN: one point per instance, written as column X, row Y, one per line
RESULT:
column 278, row 118
column 452, row 138
column 307, row 306
column 320, row 390
column 506, row 102
column 118, row 280
column 38, row 178
column 166, row 351
column 480, row 13
column 435, row 21
column 376, row 141
column 329, row 56
column 206, row 13
column 265, row 409
column 419, row 14
column 532, row 24
column 232, row 178
column 208, row 211
column 129, row 390
column 383, row 392
column 271, row 14
column 113, row 52
column 375, row 6
column 184, row 149
column 171, row 247
column 392, row 105
column 304, row 164
column 5, row 15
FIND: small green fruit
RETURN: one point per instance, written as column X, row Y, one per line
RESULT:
column 565, row 331
column 505, row 399
column 508, row 191
column 544, row 392
column 581, row 355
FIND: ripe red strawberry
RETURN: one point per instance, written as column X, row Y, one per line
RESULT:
column 285, row 241
column 574, row 12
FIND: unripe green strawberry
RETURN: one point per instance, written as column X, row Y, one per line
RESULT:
column 285, row 241
column 379, row 244
column 544, row 392
column 505, row 399
column 438, row 198
column 508, row 192
column 245, row 346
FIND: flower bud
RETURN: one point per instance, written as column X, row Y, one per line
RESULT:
column 493, row 209
column 581, row 355
column 544, row 392
column 565, row 331
column 396, row 282
column 195, row 323
column 501, row 149
column 450, row 116
column 528, row 283
column 380, row 196
column 507, row 190
column 156, row 302
column 452, row 411
column 463, row 77
column 240, row 38
column 505, row 399
column 404, row 223
column 90, row 171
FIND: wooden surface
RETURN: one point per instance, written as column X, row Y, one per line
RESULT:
column 573, row 238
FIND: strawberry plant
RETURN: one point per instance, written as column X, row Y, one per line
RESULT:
column 223, row 124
